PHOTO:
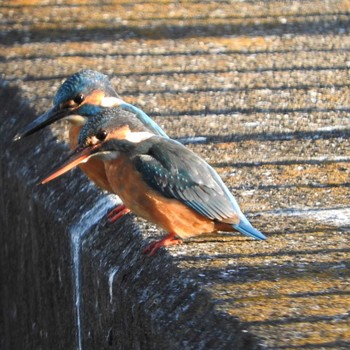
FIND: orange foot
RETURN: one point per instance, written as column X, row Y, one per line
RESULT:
column 117, row 212
column 168, row 240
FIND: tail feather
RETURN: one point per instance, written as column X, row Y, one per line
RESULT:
column 247, row 229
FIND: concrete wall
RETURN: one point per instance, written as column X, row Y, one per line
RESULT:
column 70, row 280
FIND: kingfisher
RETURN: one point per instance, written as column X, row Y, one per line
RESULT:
column 83, row 95
column 160, row 180
column 79, row 98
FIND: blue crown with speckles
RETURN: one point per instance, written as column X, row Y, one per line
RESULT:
column 84, row 82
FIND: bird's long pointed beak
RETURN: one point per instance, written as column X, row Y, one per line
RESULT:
column 45, row 119
column 77, row 157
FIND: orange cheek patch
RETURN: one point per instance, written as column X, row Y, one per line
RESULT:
column 120, row 133
column 94, row 98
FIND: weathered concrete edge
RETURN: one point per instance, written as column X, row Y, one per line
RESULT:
column 126, row 300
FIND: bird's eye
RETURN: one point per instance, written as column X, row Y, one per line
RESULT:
column 79, row 99
column 101, row 135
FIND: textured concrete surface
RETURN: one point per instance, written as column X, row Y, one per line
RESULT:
column 264, row 85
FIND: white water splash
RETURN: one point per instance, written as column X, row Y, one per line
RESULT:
column 92, row 216
column 110, row 282
column 77, row 231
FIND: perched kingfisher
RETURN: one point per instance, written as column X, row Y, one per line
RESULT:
column 80, row 97
column 160, row 180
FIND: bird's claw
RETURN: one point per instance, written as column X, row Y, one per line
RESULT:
column 117, row 213
column 152, row 248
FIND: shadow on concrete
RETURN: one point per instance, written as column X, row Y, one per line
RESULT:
column 29, row 77
column 280, row 162
column 270, row 254
column 242, row 52
column 290, row 186
column 339, row 344
column 240, row 89
column 257, row 273
column 288, row 320
column 276, row 136
column 163, row 31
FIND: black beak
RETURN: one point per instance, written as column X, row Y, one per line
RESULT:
column 45, row 119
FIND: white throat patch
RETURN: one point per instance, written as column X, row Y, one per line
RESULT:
column 75, row 119
column 136, row 137
column 111, row 102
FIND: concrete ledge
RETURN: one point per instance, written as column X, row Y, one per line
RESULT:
column 70, row 280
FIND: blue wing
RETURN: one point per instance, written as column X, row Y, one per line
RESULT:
column 176, row 172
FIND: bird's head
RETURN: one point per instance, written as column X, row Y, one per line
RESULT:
column 80, row 97
column 105, row 136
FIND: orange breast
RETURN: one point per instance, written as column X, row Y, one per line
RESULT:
column 94, row 168
column 170, row 214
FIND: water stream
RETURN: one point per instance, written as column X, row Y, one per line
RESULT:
column 77, row 232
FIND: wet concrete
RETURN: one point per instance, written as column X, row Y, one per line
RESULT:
column 265, row 87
